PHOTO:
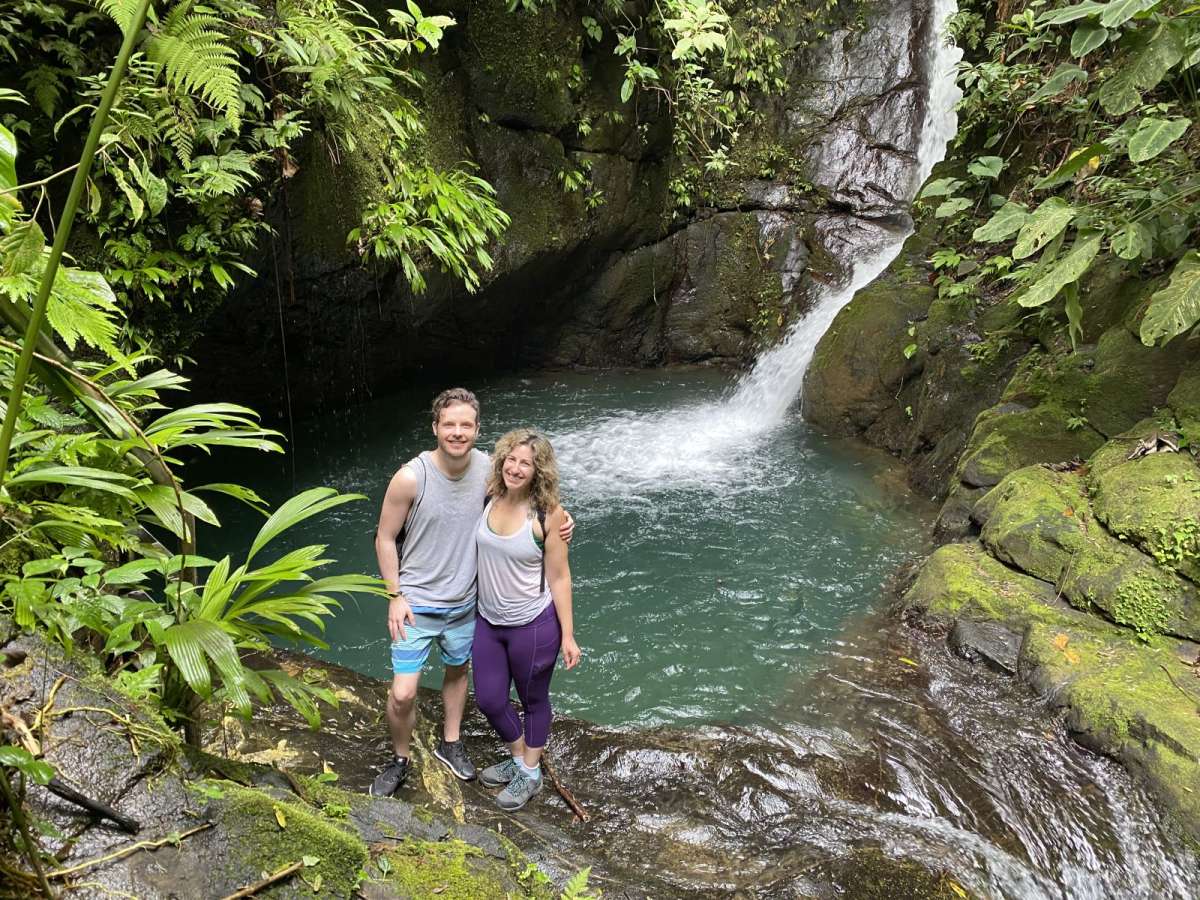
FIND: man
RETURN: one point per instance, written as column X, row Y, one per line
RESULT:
column 435, row 501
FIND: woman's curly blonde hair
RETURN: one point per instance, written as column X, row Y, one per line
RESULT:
column 543, row 491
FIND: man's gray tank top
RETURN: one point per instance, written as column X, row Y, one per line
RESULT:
column 437, row 558
column 510, row 575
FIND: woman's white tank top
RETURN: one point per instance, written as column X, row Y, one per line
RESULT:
column 510, row 575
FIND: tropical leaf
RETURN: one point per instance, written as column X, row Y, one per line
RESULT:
column 1133, row 241
column 24, row 762
column 76, row 476
column 1087, row 37
column 1066, row 14
column 1154, row 135
column 1118, row 12
column 296, row 510
column 192, row 644
column 1076, row 162
column 1151, row 57
column 198, row 59
column 22, row 248
column 1004, row 223
column 300, row 695
column 1045, row 222
column 8, row 164
column 1175, row 308
column 1066, row 74
column 120, row 11
column 1065, row 271
column 986, row 167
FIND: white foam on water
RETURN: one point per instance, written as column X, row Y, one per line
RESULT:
column 716, row 446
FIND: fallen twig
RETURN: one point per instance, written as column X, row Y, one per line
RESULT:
column 563, row 791
column 95, row 807
column 1195, row 700
column 173, row 838
column 251, row 889
column 49, row 704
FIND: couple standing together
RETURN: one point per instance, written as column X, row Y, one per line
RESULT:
column 474, row 554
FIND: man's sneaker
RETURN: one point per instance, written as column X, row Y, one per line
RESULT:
column 518, row 792
column 389, row 780
column 455, row 758
column 499, row 774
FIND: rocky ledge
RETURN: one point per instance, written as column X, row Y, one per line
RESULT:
column 1069, row 492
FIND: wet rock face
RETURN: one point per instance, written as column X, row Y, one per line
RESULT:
column 218, row 825
column 618, row 283
column 865, row 101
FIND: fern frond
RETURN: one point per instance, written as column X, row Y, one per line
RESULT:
column 198, row 60
column 120, row 11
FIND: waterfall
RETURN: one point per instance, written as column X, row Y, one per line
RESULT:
column 711, row 446
column 776, row 380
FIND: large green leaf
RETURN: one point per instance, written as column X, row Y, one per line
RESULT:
column 22, row 248
column 1063, row 76
column 1175, row 308
column 24, row 762
column 76, row 476
column 1044, row 223
column 1117, row 12
column 1061, row 16
column 1133, row 241
column 301, row 507
column 1150, row 58
column 192, row 644
column 1076, row 162
column 1004, row 223
column 1154, row 135
column 1066, row 271
column 1087, row 37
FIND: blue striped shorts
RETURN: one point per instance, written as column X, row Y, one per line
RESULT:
column 452, row 629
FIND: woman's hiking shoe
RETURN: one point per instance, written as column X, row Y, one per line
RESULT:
column 518, row 792
column 389, row 780
column 455, row 758
column 499, row 774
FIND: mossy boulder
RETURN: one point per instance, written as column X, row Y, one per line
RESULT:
column 1040, row 522
column 268, row 834
column 1010, row 436
column 1154, row 502
column 1033, row 520
column 1184, row 401
column 1128, row 700
column 860, row 362
column 964, row 581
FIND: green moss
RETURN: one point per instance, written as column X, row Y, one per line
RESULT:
column 1035, row 520
column 446, row 870
column 1154, row 502
column 1139, row 604
column 521, row 63
column 1004, row 440
column 1121, row 701
column 259, row 841
column 963, row 581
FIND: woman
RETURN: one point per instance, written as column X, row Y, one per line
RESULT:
column 524, row 612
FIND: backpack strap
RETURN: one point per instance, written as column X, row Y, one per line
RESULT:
column 541, row 517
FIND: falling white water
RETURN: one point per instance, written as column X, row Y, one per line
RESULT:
column 713, row 445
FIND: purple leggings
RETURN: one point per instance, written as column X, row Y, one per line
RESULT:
column 524, row 654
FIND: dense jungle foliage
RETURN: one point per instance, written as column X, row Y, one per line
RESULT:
column 1076, row 146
